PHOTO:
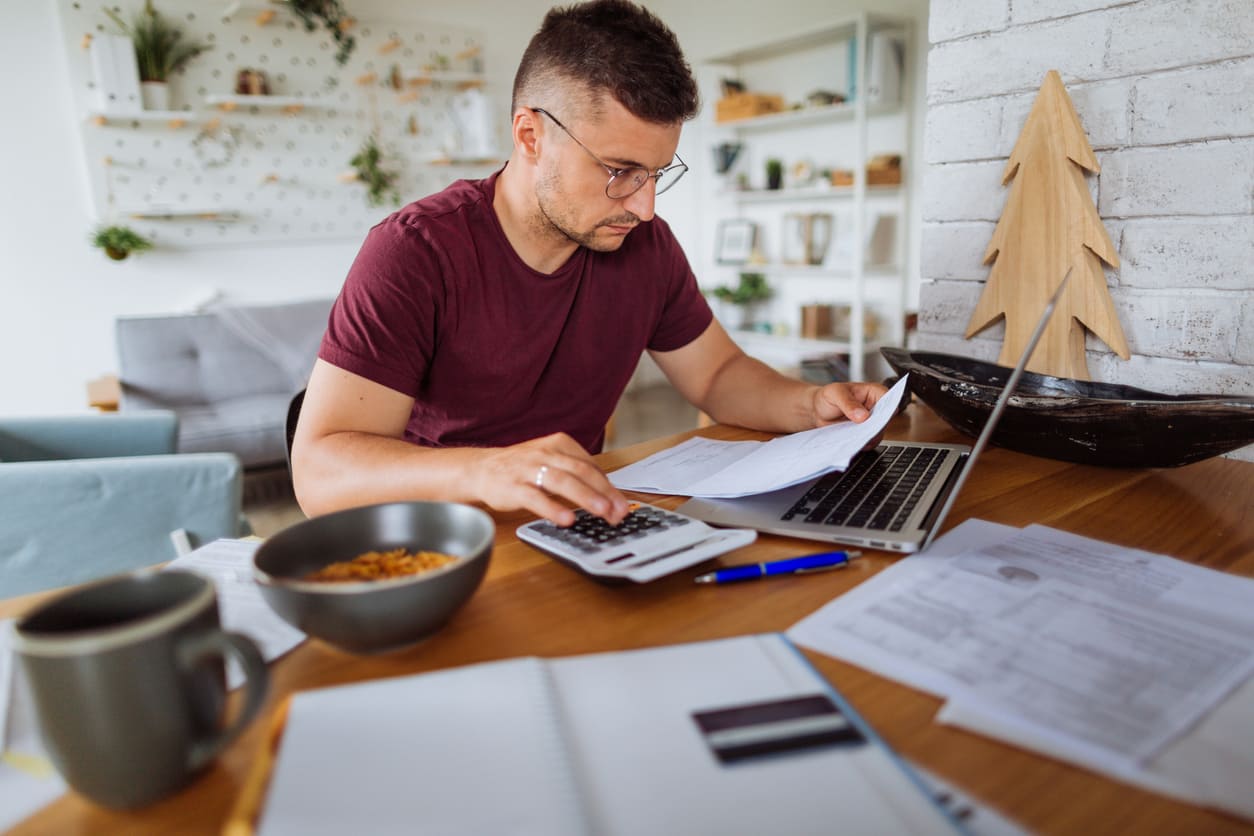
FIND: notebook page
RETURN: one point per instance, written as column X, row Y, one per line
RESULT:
column 647, row 769
column 470, row 750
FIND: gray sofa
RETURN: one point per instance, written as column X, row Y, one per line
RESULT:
column 228, row 373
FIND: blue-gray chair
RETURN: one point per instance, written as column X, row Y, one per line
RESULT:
column 83, row 497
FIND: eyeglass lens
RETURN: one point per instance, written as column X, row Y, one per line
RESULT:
column 633, row 180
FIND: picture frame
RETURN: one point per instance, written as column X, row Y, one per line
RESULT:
column 795, row 242
column 736, row 238
column 821, row 226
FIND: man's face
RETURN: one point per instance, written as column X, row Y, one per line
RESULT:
column 570, row 186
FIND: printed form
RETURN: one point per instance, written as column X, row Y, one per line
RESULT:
column 1109, row 653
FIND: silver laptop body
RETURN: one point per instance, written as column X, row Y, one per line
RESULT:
column 817, row 510
column 894, row 497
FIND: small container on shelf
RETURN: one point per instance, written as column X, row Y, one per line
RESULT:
column 746, row 105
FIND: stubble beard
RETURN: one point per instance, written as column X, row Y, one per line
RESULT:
column 552, row 222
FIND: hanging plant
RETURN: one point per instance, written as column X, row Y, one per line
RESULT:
column 159, row 46
column 379, row 183
column 333, row 17
column 119, row 241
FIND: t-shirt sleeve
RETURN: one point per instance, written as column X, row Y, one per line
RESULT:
column 382, row 326
column 685, row 312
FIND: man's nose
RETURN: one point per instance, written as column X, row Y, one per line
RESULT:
column 640, row 202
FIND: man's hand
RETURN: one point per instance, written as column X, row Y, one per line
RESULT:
column 535, row 474
column 837, row 401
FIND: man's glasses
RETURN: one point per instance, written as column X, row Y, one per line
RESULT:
column 624, row 182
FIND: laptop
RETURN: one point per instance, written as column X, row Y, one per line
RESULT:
column 893, row 497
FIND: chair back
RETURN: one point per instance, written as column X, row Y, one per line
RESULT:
column 52, row 438
column 293, row 416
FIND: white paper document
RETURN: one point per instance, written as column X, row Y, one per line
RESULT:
column 28, row 780
column 229, row 564
column 1091, row 652
column 729, row 469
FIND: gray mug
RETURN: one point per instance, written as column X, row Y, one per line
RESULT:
column 128, row 681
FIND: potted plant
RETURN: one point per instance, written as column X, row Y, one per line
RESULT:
column 745, row 297
column 160, row 50
column 379, row 182
column 332, row 15
column 119, row 241
column 774, row 173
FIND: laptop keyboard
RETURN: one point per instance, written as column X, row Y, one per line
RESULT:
column 878, row 492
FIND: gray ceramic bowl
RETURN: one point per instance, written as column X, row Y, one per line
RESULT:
column 375, row 616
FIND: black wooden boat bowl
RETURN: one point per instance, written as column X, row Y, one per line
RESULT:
column 1078, row 420
column 382, row 615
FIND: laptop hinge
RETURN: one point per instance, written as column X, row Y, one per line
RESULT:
column 943, row 493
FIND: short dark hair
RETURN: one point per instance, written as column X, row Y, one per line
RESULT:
column 615, row 47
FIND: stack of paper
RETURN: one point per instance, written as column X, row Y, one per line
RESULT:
column 1126, row 662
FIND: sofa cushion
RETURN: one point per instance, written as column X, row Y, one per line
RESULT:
column 183, row 359
column 228, row 373
column 251, row 427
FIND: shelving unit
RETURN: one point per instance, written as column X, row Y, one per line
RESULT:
column 846, row 58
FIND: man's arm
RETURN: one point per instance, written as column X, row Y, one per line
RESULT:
column 733, row 388
column 349, row 450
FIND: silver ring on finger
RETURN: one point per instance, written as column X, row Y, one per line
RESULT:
column 544, row 468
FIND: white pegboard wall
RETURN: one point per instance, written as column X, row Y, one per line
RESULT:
column 263, row 175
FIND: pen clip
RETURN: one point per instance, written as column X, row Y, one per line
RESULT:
column 849, row 555
column 814, row 569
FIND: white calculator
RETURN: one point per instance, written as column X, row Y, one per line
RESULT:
column 650, row 542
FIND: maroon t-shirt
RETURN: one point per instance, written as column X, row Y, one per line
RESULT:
column 438, row 306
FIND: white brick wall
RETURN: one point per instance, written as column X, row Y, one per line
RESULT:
column 1165, row 91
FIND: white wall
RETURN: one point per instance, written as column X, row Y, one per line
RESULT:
column 1165, row 91
column 59, row 296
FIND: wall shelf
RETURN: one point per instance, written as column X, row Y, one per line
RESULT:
column 817, row 115
column 169, row 213
column 820, row 270
column 288, row 104
column 172, row 118
column 445, row 159
column 788, row 352
column 803, row 193
column 463, row 80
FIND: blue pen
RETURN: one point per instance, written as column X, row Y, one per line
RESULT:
column 792, row 566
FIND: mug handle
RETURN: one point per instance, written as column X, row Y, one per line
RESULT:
column 256, row 681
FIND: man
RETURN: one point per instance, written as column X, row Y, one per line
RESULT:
column 485, row 334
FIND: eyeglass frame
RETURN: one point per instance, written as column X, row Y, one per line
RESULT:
column 616, row 173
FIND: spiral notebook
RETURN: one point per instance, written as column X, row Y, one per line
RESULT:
column 732, row 736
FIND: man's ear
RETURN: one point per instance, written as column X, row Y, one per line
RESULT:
column 526, row 138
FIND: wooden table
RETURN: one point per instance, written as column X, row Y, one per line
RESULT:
column 530, row 604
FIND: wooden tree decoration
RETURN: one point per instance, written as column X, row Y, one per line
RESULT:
column 1050, row 225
